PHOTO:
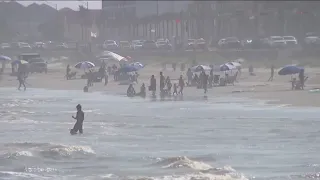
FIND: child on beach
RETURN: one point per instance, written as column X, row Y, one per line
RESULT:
column 175, row 89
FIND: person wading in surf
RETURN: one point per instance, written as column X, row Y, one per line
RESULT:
column 80, row 118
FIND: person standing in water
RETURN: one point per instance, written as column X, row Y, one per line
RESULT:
column 80, row 118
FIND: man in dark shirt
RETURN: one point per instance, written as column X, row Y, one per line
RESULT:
column 79, row 117
column 162, row 79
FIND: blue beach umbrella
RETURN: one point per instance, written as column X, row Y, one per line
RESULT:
column 289, row 70
column 4, row 58
column 84, row 65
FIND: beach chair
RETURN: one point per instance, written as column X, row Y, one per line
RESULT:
column 298, row 85
column 72, row 75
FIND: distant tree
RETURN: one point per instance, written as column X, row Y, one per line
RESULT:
column 5, row 31
column 52, row 30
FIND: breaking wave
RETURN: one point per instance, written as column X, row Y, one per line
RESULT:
column 201, row 170
column 45, row 150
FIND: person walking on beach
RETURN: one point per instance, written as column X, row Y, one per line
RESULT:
column 21, row 79
column 106, row 78
column 272, row 73
column 68, row 72
column 181, row 84
column 80, row 118
column 189, row 76
column 205, row 83
column 153, row 85
column 162, row 82
column 301, row 78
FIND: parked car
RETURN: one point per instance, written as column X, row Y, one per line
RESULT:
column 229, row 42
column 110, row 45
column 200, row 44
column 23, row 45
column 39, row 45
column 290, row 40
column 125, row 45
column 161, row 40
column 5, row 46
column 137, row 44
column 312, row 40
column 61, row 46
column 253, row 43
column 163, row 45
column 38, row 65
column 28, row 56
column 277, row 42
column 190, row 44
column 149, row 45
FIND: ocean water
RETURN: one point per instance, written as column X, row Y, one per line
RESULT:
column 219, row 139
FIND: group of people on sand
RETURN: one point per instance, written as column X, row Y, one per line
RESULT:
column 295, row 84
column 201, row 81
column 165, row 87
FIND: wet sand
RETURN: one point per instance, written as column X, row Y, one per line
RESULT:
column 275, row 92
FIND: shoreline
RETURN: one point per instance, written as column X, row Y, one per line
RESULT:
column 277, row 92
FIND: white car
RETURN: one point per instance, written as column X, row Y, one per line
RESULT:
column 312, row 40
column 39, row 45
column 276, row 41
column 110, row 45
column 5, row 46
column 290, row 40
column 23, row 45
column 137, row 44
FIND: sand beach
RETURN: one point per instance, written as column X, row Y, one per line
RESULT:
column 257, row 87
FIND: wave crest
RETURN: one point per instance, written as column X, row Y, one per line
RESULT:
column 183, row 161
column 47, row 150
column 194, row 176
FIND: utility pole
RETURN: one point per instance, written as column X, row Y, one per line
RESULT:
column 157, row 21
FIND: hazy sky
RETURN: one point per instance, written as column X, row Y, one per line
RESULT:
column 70, row 4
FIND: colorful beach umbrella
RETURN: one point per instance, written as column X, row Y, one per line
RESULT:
column 112, row 55
column 289, row 70
column 84, row 65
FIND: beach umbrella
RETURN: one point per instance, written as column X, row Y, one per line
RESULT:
column 236, row 64
column 112, row 55
column 4, row 58
column 289, row 70
column 19, row 62
column 137, row 65
column 84, row 65
column 227, row 67
column 200, row 68
column 128, row 69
